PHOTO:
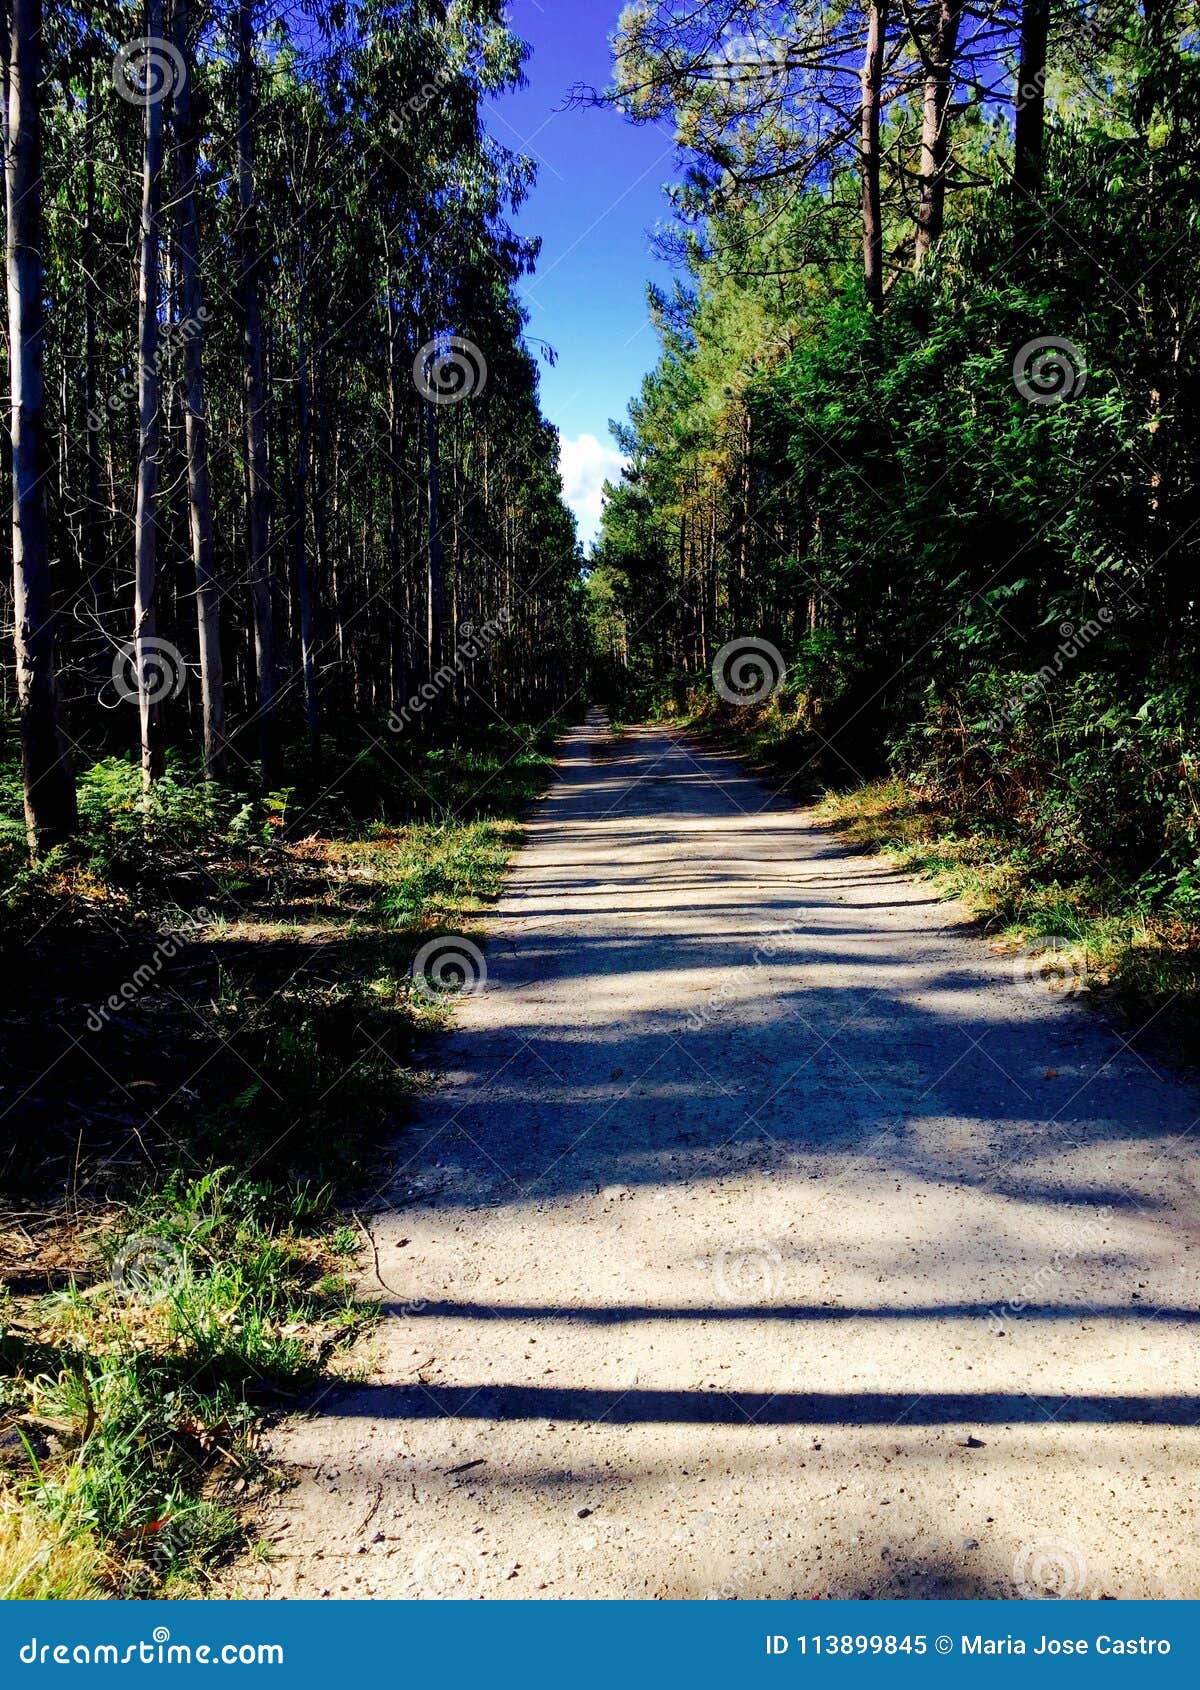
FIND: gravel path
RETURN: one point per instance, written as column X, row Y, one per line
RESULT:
column 766, row 1235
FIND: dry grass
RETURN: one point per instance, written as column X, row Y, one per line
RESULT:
column 40, row 1563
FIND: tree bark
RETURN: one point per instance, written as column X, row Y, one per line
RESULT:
column 303, row 575
column 397, row 596
column 940, row 50
column 145, row 523
column 93, row 538
column 200, row 515
column 258, row 492
column 872, row 85
column 1030, row 117
column 325, row 566
column 49, row 787
column 436, row 599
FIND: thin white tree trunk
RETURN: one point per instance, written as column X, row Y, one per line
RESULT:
column 49, row 786
column 145, row 537
column 200, row 516
column 258, row 492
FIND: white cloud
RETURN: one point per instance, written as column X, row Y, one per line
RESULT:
column 586, row 463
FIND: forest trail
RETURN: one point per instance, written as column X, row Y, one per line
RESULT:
column 766, row 1235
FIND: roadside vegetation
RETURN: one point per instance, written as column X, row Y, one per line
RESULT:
column 911, row 491
column 209, row 1046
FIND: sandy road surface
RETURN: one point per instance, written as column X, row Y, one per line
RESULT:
column 763, row 1236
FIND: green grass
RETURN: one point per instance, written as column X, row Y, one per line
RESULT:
column 164, row 1306
column 142, row 1392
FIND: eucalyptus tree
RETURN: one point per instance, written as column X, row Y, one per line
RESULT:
column 258, row 472
column 194, row 312
column 49, row 789
column 239, row 439
column 146, row 657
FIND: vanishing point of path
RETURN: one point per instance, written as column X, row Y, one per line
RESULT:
column 765, row 1234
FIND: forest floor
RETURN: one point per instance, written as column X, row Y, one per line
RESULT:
column 750, row 1150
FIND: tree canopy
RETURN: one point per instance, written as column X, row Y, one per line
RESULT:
column 961, row 512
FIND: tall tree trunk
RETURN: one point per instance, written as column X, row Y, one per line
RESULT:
column 336, row 575
column 939, row 50
column 397, row 595
column 200, row 516
column 1030, row 124
column 321, row 548
column 303, row 576
column 50, row 814
column 145, row 527
column 258, row 491
column 93, row 543
column 872, row 86
column 436, row 599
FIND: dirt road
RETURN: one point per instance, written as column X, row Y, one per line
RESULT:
column 767, row 1234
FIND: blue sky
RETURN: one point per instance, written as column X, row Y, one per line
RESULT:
column 599, row 193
